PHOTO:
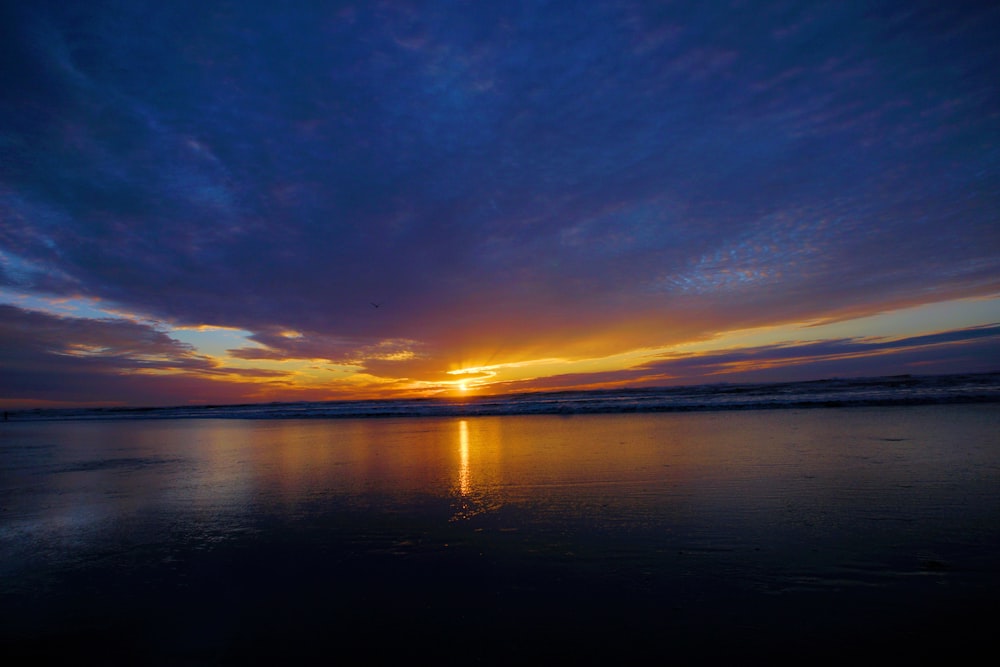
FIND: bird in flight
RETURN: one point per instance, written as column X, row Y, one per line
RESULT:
column 375, row 305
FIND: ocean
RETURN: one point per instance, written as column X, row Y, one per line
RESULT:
column 877, row 391
column 844, row 519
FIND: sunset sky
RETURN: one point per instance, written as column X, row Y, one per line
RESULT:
column 203, row 202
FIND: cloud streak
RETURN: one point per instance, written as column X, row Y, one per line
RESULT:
column 957, row 351
column 50, row 358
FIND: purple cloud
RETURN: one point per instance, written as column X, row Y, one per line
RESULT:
column 71, row 359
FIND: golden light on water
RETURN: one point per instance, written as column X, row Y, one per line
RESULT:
column 464, row 475
column 476, row 489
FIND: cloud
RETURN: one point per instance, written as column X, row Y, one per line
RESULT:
column 274, row 344
column 515, row 181
column 948, row 351
column 119, row 343
column 972, row 349
column 72, row 359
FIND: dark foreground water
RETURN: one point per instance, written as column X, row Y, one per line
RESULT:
column 755, row 536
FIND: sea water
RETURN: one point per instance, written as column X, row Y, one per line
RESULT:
column 761, row 535
column 836, row 392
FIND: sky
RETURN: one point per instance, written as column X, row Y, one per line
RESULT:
column 236, row 202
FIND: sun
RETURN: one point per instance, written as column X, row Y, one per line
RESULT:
column 463, row 386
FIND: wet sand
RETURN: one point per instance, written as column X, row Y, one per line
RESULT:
column 767, row 536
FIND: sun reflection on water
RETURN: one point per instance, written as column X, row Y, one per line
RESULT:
column 475, row 492
column 464, row 485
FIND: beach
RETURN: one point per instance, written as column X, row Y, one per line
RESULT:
column 762, row 535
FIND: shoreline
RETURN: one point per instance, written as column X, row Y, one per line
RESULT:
column 812, row 394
